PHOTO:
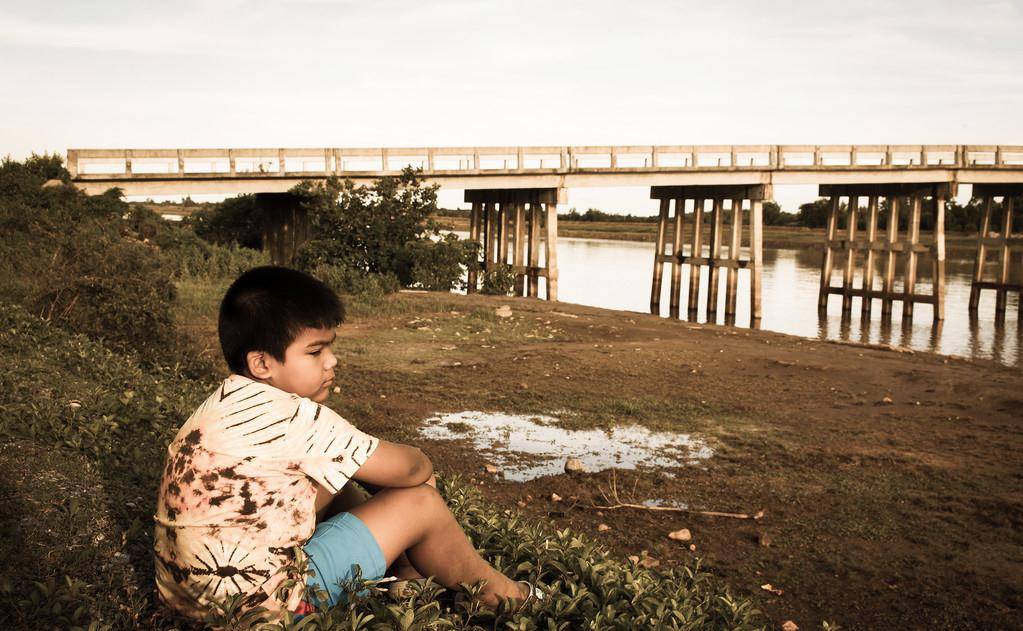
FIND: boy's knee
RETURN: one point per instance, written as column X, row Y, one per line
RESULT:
column 423, row 497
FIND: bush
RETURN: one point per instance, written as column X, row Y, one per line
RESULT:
column 74, row 396
column 497, row 282
column 76, row 260
column 438, row 265
column 383, row 229
column 369, row 287
column 235, row 221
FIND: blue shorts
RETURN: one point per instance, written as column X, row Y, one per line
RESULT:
column 338, row 545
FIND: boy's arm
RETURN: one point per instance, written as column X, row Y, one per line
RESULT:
column 395, row 465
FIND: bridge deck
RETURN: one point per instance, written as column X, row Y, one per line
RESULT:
column 236, row 171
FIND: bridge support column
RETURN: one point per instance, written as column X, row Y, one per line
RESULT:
column 285, row 226
column 908, row 250
column 672, row 228
column 517, row 221
column 1004, row 242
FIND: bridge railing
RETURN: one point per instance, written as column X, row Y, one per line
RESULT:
column 322, row 162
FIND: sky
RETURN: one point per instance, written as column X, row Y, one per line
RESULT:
column 319, row 73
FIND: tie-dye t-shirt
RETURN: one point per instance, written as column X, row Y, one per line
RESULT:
column 238, row 493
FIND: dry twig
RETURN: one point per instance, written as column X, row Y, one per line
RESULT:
column 614, row 502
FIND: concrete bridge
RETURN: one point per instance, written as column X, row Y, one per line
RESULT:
column 146, row 172
column 514, row 193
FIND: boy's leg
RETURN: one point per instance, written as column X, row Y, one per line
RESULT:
column 352, row 495
column 416, row 521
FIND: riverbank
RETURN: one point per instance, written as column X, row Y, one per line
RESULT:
column 958, row 245
column 888, row 480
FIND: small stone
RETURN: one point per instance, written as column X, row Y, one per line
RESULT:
column 574, row 465
column 555, row 497
column 767, row 587
column 74, row 404
column 504, row 311
column 603, row 528
column 681, row 535
column 764, row 540
column 649, row 562
column 692, row 547
column 520, row 504
column 887, row 400
column 788, row 625
column 524, row 385
column 337, row 389
column 491, row 469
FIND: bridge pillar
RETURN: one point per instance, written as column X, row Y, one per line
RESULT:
column 672, row 228
column 285, row 226
column 1004, row 242
column 517, row 221
column 889, row 247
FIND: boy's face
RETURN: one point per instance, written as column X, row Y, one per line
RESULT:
column 308, row 366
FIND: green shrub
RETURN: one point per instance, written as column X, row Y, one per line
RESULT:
column 382, row 229
column 72, row 259
column 438, row 265
column 236, row 220
column 499, row 281
column 368, row 287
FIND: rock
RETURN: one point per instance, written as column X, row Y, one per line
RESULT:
column 603, row 528
column 337, row 389
column 681, row 535
column 764, row 540
column 448, row 348
column 767, row 587
column 520, row 504
column 574, row 465
column 788, row 625
column 887, row 400
column 491, row 469
column 74, row 404
column 692, row 547
column 504, row 311
column 649, row 562
column 555, row 497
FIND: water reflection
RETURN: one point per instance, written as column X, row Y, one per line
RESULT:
column 617, row 275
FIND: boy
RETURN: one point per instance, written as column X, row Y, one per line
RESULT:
column 249, row 472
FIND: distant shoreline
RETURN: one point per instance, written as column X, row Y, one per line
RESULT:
column 959, row 245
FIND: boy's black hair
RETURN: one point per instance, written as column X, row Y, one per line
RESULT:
column 267, row 307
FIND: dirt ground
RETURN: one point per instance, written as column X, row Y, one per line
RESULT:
column 889, row 481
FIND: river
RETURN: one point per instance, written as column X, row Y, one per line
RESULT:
column 617, row 275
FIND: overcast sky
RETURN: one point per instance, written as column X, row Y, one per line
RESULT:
column 468, row 72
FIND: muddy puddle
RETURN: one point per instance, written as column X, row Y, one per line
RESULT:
column 525, row 447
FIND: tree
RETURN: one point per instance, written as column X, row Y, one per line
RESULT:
column 379, row 230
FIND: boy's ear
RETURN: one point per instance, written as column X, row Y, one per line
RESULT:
column 258, row 364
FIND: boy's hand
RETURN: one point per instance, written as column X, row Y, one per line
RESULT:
column 395, row 465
